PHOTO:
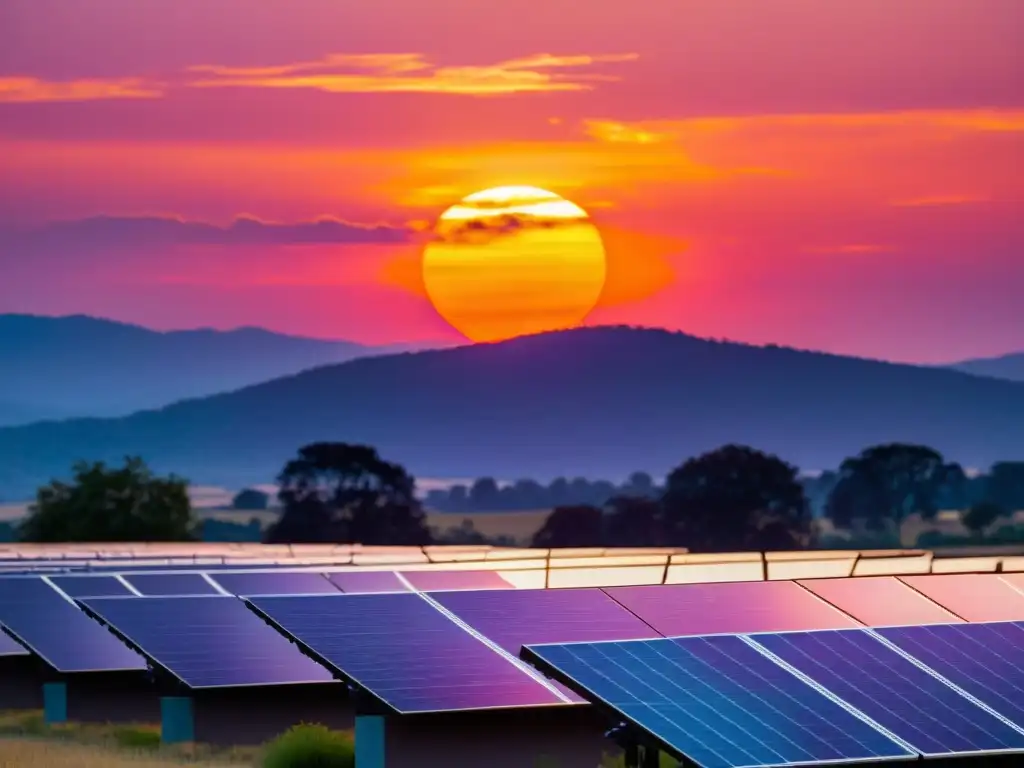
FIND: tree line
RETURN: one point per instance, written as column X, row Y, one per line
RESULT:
column 734, row 498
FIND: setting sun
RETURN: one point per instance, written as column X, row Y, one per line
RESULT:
column 514, row 260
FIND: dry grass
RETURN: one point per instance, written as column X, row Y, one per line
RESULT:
column 26, row 740
column 38, row 753
column 519, row 525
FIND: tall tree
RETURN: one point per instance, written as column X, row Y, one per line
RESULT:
column 885, row 484
column 634, row 521
column 578, row 525
column 101, row 503
column 736, row 498
column 1005, row 485
column 337, row 492
column 981, row 515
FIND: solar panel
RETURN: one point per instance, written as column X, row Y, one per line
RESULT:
column 297, row 583
column 208, row 642
column 731, row 607
column 879, row 601
column 368, row 582
column 171, row 584
column 716, row 701
column 59, row 633
column 91, row 586
column 986, row 660
column 10, row 647
column 404, row 652
column 427, row 581
column 514, row 618
column 918, row 707
column 971, row 596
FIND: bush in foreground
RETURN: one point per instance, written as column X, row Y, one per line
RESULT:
column 310, row 746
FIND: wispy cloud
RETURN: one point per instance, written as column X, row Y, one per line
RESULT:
column 937, row 200
column 130, row 231
column 339, row 73
column 658, row 131
column 413, row 73
column 33, row 89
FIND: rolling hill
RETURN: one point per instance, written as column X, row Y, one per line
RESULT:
column 58, row 367
column 1009, row 367
column 595, row 401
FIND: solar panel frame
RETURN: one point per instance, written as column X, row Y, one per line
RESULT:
column 842, row 684
column 262, row 607
column 535, row 655
column 85, row 586
column 94, row 608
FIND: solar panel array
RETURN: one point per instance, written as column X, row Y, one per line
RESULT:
column 732, row 701
column 451, row 641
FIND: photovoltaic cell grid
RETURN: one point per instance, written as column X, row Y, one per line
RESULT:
column 916, row 706
column 10, row 647
column 369, row 582
column 295, row 583
column 208, row 642
column 879, row 601
column 717, row 701
column 405, row 652
column 752, row 606
column 171, row 584
column 514, row 618
column 986, row 660
column 972, row 596
column 58, row 632
column 91, row 586
column 427, row 581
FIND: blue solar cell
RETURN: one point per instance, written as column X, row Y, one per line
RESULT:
column 298, row 583
column 405, row 652
column 986, row 660
column 917, row 707
column 58, row 632
column 716, row 701
column 171, row 584
column 10, row 647
column 91, row 586
column 367, row 582
column 208, row 642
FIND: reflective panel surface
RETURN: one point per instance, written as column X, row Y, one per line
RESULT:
column 916, row 706
column 367, row 582
column 718, row 701
column 209, row 642
column 170, row 584
column 91, row 586
column 427, row 581
column 733, row 607
column 405, row 652
column 880, row 601
column 972, row 596
column 58, row 631
column 305, row 583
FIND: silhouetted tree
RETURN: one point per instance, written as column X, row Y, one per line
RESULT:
column 736, row 499
column 981, row 515
column 580, row 525
column 1005, row 485
column 465, row 533
column 128, row 503
column 483, row 495
column 640, row 485
column 250, row 499
column 337, row 492
column 887, row 483
column 633, row 521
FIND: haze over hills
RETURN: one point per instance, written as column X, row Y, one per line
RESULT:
column 1003, row 367
column 594, row 401
column 59, row 367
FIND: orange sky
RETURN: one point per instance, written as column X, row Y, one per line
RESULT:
column 841, row 175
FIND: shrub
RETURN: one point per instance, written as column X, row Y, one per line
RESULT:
column 310, row 746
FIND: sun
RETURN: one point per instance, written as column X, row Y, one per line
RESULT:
column 511, row 261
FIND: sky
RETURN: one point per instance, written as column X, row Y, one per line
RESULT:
column 840, row 175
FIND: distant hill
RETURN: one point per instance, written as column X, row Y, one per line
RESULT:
column 57, row 367
column 595, row 401
column 1004, row 367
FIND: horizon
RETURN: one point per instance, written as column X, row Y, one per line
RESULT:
column 283, row 173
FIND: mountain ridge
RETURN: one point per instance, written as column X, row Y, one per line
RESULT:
column 594, row 401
